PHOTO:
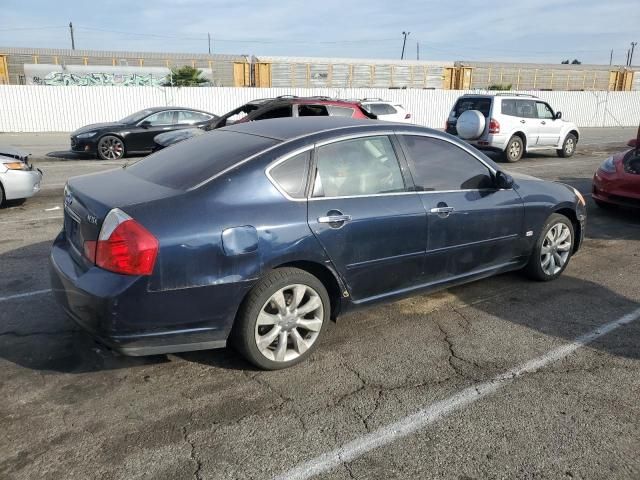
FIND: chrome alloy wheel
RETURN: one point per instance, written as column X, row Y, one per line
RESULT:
column 514, row 150
column 111, row 148
column 556, row 248
column 289, row 323
column 569, row 146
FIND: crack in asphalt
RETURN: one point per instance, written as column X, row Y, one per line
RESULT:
column 192, row 454
column 452, row 353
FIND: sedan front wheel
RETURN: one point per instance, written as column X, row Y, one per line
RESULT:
column 110, row 147
column 281, row 321
column 552, row 250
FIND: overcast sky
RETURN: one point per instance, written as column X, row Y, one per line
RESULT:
column 516, row 30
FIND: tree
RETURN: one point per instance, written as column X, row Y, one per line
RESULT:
column 565, row 62
column 575, row 62
column 500, row 86
column 184, row 77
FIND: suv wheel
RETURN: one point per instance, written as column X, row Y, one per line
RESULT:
column 568, row 146
column 514, row 150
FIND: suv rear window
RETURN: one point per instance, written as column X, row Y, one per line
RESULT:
column 198, row 159
column 483, row 104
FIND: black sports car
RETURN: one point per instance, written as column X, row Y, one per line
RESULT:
column 134, row 133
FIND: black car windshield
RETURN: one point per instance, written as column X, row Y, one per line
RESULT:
column 194, row 161
column 136, row 117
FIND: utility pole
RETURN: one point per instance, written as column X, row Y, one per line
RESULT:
column 611, row 57
column 633, row 46
column 417, row 50
column 209, row 38
column 73, row 43
column 628, row 54
column 404, row 43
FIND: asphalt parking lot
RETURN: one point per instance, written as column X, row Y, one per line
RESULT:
column 443, row 385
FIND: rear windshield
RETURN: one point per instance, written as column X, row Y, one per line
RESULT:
column 193, row 161
column 482, row 104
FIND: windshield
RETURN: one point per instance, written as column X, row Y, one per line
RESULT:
column 194, row 161
column 136, row 117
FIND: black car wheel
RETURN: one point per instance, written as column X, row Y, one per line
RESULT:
column 1, row 196
column 110, row 147
column 514, row 150
column 568, row 146
column 282, row 319
column 553, row 249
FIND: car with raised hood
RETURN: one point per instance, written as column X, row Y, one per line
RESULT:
column 279, row 226
column 617, row 180
column 283, row 106
column 512, row 124
column 19, row 179
column 134, row 134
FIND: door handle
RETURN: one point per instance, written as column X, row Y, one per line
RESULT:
column 543, row 122
column 443, row 212
column 334, row 219
column 522, row 121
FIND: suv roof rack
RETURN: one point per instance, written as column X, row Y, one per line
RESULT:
column 287, row 96
column 505, row 94
column 372, row 99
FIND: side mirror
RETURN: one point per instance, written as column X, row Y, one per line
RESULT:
column 558, row 115
column 503, row 180
column 632, row 143
column 145, row 124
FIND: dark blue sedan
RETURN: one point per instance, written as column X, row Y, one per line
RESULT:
column 261, row 233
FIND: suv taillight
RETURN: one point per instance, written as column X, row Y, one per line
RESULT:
column 124, row 246
column 494, row 126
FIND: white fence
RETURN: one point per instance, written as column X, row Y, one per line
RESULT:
column 26, row 108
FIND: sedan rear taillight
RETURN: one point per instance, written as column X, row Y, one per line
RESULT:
column 124, row 246
column 494, row 126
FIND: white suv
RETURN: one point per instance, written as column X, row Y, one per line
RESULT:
column 512, row 124
column 384, row 110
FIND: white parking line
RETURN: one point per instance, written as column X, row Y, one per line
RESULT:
column 434, row 412
column 26, row 294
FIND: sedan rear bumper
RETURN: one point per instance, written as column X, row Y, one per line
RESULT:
column 18, row 184
column 121, row 313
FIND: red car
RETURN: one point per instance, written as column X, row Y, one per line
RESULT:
column 617, row 180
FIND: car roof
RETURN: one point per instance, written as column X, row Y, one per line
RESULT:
column 161, row 109
column 291, row 100
column 284, row 129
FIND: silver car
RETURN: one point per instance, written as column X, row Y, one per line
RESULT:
column 18, row 179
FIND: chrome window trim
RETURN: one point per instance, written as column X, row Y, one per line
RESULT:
column 391, row 194
column 287, row 156
column 266, row 150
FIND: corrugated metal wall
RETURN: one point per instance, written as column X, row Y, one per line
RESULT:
column 26, row 108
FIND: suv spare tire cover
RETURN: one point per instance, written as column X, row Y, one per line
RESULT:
column 470, row 124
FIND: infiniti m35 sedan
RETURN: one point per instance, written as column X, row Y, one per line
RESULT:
column 259, row 234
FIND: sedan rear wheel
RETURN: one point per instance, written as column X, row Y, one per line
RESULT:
column 110, row 147
column 282, row 319
column 553, row 249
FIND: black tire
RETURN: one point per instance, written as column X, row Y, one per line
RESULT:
column 2, row 199
column 117, row 150
column 568, row 146
column 534, row 268
column 514, row 150
column 244, row 331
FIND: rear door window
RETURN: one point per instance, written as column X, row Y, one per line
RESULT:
column 189, row 117
column 340, row 111
column 277, row 112
column 482, row 104
column 312, row 111
column 363, row 166
column 526, row 109
column 198, row 159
